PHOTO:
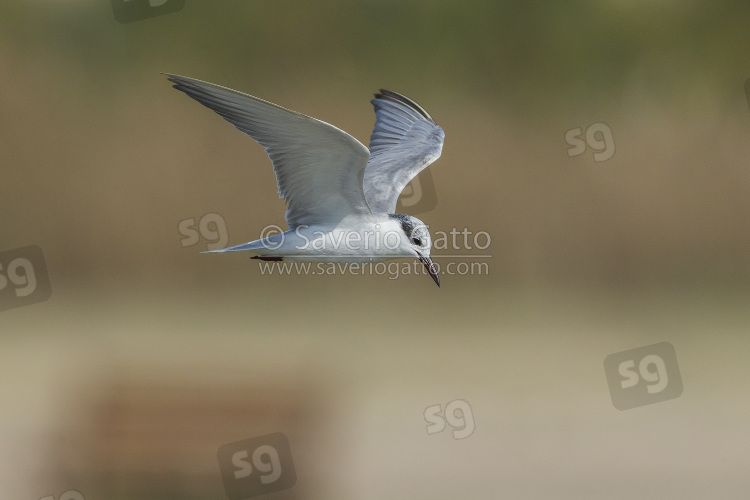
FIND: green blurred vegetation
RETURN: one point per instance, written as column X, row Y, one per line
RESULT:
column 540, row 55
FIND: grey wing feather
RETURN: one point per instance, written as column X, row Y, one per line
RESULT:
column 405, row 141
column 319, row 168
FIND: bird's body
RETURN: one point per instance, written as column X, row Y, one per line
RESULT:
column 340, row 195
column 356, row 238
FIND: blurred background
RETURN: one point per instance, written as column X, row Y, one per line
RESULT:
column 602, row 146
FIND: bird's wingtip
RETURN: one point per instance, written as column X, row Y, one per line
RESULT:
column 390, row 95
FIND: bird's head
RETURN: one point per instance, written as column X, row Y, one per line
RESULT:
column 417, row 242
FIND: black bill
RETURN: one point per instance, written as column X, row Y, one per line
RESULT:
column 430, row 267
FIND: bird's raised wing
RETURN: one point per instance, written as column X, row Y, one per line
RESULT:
column 319, row 168
column 405, row 140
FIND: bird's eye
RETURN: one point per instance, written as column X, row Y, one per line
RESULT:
column 417, row 241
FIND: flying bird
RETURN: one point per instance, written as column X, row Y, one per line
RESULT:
column 340, row 195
